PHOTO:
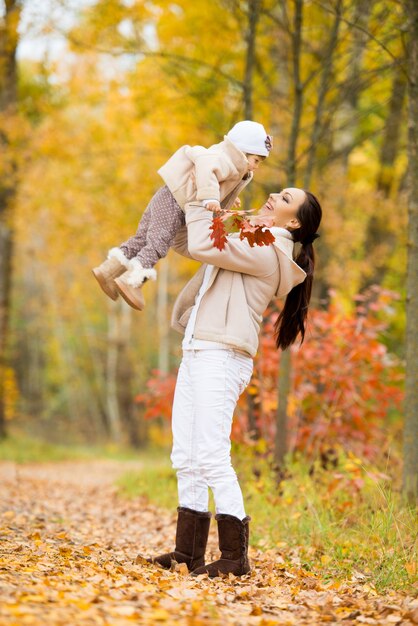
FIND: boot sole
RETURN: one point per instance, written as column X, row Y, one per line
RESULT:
column 129, row 295
column 113, row 295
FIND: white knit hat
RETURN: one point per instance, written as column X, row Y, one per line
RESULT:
column 250, row 137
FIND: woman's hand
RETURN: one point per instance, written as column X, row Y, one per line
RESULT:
column 237, row 204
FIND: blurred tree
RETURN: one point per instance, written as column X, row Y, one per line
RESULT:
column 285, row 365
column 381, row 236
column 326, row 76
column 410, row 476
column 9, row 21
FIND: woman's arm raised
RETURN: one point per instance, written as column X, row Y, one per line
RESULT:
column 237, row 256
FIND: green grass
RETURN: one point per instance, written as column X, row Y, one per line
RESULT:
column 156, row 481
column 340, row 523
column 23, row 449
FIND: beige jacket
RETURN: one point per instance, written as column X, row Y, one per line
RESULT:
column 216, row 173
column 242, row 284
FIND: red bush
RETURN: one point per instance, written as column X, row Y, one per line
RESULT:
column 344, row 382
column 158, row 399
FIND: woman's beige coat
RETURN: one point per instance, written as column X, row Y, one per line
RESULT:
column 241, row 286
column 215, row 173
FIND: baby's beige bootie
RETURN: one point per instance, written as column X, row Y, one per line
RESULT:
column 106, row 273
column 132, row 295
column 129, row 285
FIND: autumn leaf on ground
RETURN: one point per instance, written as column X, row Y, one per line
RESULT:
column 73, row 553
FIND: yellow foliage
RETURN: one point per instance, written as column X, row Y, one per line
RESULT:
column 10, row 390
column 143, row 79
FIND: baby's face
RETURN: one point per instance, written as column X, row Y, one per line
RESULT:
column 253, row 162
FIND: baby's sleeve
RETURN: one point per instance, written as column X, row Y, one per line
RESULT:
column 210, row 170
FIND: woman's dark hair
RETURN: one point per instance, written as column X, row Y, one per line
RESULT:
column 292, row 318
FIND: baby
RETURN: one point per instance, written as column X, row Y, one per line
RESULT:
column 215, row 176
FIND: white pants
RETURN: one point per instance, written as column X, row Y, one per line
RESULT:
column 208, row 386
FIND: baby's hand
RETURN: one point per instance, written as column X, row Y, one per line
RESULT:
column 213, row 206
column 237, row 203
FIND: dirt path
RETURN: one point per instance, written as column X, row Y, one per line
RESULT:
column 68, row 544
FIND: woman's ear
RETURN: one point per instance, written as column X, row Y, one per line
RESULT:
column 293, row 224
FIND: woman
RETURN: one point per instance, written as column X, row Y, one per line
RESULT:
column 220, row 311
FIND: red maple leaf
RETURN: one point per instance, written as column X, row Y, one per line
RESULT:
column 227, row 222
column 256, row 235
column 218, row 233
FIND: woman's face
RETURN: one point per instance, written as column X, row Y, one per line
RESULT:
column 282, row 207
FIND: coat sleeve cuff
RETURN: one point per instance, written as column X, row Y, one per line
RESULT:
column 195, row 211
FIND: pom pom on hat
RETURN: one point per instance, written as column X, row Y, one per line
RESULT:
column 251, row 138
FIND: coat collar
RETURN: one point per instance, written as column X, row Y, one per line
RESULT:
column 294, row 275
column 279, row 231
column 283, row 240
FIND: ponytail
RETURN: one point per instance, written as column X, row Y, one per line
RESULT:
column 292, row 319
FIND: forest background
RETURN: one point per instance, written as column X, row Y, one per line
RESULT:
column 96, row 95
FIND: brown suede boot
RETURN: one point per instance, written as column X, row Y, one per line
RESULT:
column 191, row 539
column 233, row 544
column 105, row 275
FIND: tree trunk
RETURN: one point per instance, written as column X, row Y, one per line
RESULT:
column 390, row 143
column 253, row 16
column 317, row 127
column 113, row 344
column 410, row 474
column 285, row 367
column 162, row 317
column 8, row 102
column 381, row 239
column 250, row 39
column 280, row 443
column 125, row 377
column 344, row 136
column 121, row 410
column 8, row 47
column 298, row 92
column 253, row 410
column 346, row 124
